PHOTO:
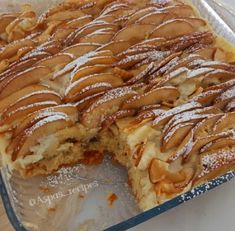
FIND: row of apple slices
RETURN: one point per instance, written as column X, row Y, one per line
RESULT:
column 109, row 86
column 192, row 73
column 31, row 53
column 169, row 94
column 43, row 65
column 18, row 25
column 131, row 31
column 27, row 100
column 167, row 29
column 219, row 95
column 11, row 80
column 34, row 126
column 211, row 153
column 176, row 123
column 160, row 48
column 48, row 32
column 69, row 10
column 88, row 24
column 14, row 51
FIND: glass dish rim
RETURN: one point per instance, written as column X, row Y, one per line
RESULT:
column 146, row 215
column 135, row 220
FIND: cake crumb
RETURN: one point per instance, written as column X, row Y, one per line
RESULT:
column 93, row 157
column 44, row 189
column 111, row 198
column 51, row 209
column 82, row 196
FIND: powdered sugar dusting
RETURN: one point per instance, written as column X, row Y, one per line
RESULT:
column 34, row 105
column 172, row 132
column 229, row 94
column 210, row 162
column 74, row 64
column 176, row 110
column 230, row 106
column 49, row 119
column 206, row 186
column 111, row 95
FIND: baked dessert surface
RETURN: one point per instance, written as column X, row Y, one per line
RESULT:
column 147, row 81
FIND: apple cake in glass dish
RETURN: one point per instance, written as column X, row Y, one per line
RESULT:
column 148, row 82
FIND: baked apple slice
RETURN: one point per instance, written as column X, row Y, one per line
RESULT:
column 180, row 10
column 140, row 13
column 12, row 48
column 110, row 119
column 31, row 136
column 180, row 63
column 222, row 143
column 31, row 76
column 73, row 66
column 132, row 60
column 56, row 61
column 184, row 117
column 164, row 117
column 230, row 107
column 173, row 28
column 226, row 96
column 106, row 18
column 222, row 86
column 34, row 97
column 88, row 29
column 207, row 97
column 105, row 60
column 107, row 104
column 80, row 49
column 175, row 135
column 199, row 144
column 66, row 109
column 132, row 33
column 89, row 70
column 115, row 7
column 225, row 122
column 11, row 99
column 84, row 103
column 64, row 15
column 101, row 36
column 77, row 22
column 206, row 52
column 215, row 163
column 125, row 75
column 175, row 77
column 76, row 90
column 5, row 20
column 115, row 46
column 206, row 126
column 155, row 18
column 89, row 90
column 217, row 76
column 197, row 23
column 158, row 95
column 22, row 112
column 157, row 170
column 21, row 65
column 166, row 179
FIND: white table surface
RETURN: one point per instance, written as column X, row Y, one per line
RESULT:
column 213, row 211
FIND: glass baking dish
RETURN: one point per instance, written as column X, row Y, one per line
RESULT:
column 76, row 198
